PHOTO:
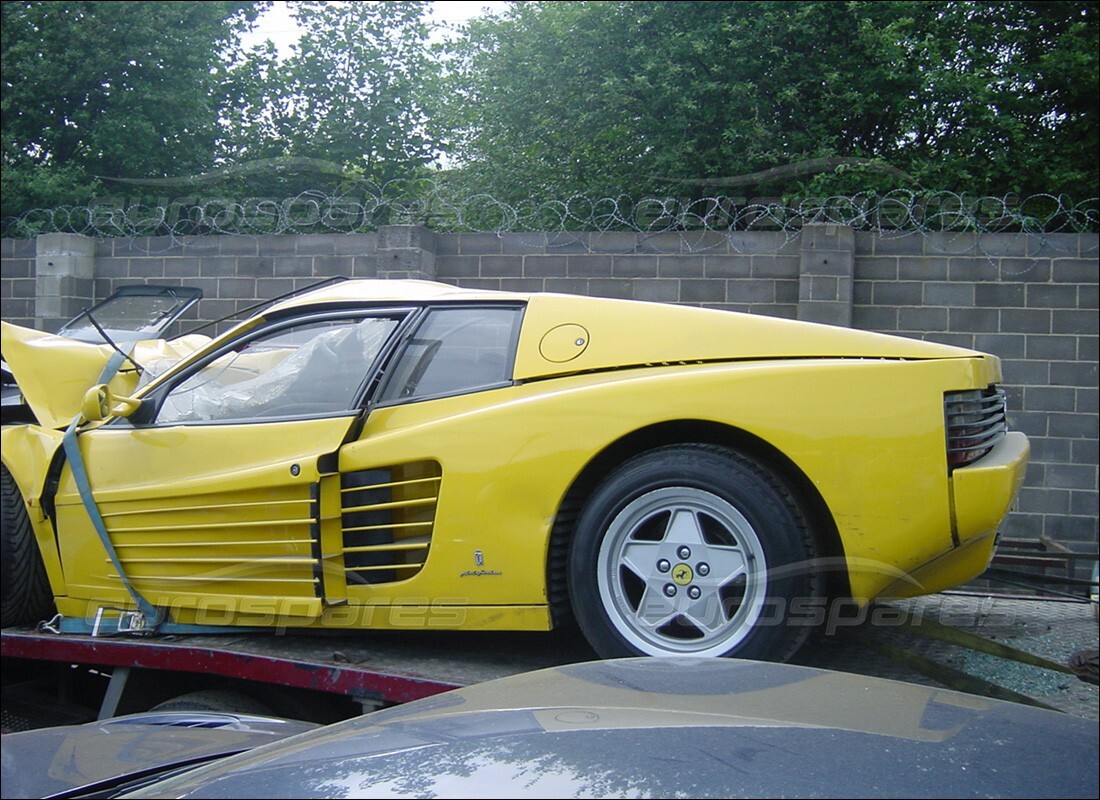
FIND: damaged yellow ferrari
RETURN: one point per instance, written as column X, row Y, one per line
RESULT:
column 383, row 454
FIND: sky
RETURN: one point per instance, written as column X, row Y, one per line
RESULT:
column 277, row 24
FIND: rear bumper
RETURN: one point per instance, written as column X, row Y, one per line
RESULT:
column 982, row 495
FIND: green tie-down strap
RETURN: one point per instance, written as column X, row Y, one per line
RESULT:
column 101, row 625
column 153, row 616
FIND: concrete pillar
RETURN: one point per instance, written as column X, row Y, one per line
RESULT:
column 406, row 251
column 64, row 277
column 826, row 274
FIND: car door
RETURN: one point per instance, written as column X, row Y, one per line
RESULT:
column 213, row 493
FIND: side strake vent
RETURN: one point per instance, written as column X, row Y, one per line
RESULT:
column 975, row 423
column 388, row 514
column 221, row 543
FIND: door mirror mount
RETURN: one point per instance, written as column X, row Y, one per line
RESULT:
column 100, row 403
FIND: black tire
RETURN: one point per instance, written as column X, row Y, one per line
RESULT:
column 692, row 550
column 218, row 700
column 25, row 596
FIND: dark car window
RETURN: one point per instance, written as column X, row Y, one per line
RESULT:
column 313, row 368
column 455, row 350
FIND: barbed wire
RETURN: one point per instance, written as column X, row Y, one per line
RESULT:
column 437, row 207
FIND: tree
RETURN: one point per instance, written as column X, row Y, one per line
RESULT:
column 608, row 98
column 95, row 90
column 1007, row 101
column 359, row 91
column 554, row 99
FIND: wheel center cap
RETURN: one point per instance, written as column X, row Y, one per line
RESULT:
column 682, row 574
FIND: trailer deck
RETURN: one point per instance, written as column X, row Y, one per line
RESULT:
column 1015, row 648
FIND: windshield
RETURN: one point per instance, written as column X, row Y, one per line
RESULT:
column 131, row 313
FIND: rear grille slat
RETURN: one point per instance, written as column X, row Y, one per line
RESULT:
column 975, row 421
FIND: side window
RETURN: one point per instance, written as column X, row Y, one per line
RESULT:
column 455, row 350
column 313, row 368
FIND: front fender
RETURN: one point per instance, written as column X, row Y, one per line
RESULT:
column 28, row 451
column 54, row 372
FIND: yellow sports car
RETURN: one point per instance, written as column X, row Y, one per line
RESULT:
column 407, row 454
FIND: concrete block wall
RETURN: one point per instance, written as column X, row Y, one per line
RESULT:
column 755, row 274
column 1031, row 300
column 17, row 281
column 234, row 272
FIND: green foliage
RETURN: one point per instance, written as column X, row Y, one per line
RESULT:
column 1008, row 97
column 551, row 101
column 619, row 97
column 99, row 90
column 359, row 91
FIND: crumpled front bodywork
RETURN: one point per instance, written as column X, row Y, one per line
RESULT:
column 54, row 372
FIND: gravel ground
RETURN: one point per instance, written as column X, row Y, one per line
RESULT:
column 1051, row 629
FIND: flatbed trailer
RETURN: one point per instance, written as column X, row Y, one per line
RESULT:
column 320, row 677
column 54, row 678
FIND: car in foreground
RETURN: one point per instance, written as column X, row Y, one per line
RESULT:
column 378, row 454
column 97, row 759
column 652, row 727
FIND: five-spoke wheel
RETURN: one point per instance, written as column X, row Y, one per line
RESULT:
column 691, row 550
